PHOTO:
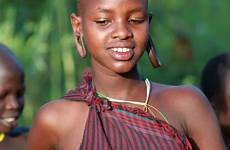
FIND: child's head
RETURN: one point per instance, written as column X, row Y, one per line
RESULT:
column 11, row 89
column 215, row 83
column 115, row 32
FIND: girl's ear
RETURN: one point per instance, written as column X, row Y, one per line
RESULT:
column 76, row 25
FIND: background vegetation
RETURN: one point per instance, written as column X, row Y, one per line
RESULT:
column 186, row 34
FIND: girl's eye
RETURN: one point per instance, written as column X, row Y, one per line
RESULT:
column 136, row 21
column 102, row 22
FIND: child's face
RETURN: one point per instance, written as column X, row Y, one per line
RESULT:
column 225, row 116
column 115, row 32
column 11, row 98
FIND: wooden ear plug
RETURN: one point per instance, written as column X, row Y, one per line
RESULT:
column 151, row 50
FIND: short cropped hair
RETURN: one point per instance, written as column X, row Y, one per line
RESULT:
column 213, row 75
column 6, row 55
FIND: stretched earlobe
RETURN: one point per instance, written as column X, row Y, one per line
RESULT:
column 82, row 49
column 152, row 53
column 80, row 45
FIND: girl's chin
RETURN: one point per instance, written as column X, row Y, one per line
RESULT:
column 7, row 127
column 123, row 67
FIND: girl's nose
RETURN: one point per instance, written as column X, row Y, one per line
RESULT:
column 12, row 103
column 122, row 31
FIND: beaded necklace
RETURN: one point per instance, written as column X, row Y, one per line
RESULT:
column 146, row 106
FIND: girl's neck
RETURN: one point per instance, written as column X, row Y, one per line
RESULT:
column 119, row 86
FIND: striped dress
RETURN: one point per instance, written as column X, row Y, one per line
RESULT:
column 114, row 126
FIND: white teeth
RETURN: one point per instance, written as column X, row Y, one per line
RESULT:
column 9, row 119
column 121, row 49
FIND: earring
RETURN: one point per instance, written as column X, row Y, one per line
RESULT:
column 152, row 53
column 2, row 136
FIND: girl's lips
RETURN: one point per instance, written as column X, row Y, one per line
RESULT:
column 121, row 53
column 8, row 122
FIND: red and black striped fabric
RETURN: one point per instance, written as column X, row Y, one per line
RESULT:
column 113, row 126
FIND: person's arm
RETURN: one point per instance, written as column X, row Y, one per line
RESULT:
column 200, row 120
column 43, row 134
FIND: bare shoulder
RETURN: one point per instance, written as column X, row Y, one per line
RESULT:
column 187, row 103
column 56, row 120
column 188, row 109
column 183, row 98
column 58, row 109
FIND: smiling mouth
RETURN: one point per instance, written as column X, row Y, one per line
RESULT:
column 121, row 49
column 121, row 53
column 10, row 121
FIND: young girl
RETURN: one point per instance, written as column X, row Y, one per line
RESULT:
column 114, row 107
column 12, row 88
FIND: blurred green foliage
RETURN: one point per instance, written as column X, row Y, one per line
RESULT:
column 186, row 34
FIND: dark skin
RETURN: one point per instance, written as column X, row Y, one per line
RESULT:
column 215, row 83
column 11, row 99
column 224, row 114
column 124, row 29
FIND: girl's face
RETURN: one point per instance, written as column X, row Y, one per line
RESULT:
column 115, row 32
column 224, row 117
column 11, row 98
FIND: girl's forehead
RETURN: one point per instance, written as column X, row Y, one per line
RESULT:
column 91, row 5
column 89, row 2
column 7, row 72
column 9, row 68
